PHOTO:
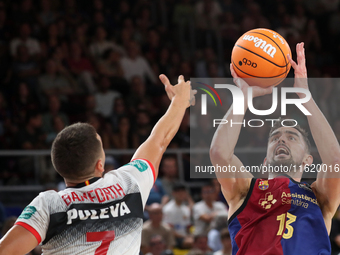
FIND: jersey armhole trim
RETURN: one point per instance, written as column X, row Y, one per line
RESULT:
column 30, row 229
column 240, row 209
column 151, row 165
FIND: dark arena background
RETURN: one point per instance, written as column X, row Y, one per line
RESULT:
column 98, row 61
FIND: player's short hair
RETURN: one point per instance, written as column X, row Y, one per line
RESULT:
column 75, row 151
column 304, row 133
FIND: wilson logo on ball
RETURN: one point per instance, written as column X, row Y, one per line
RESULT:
column 247, row 62
column 267, row 47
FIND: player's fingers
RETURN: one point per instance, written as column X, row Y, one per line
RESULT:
column 180, row 78
column 269, row 90
column 301, row 56
column 232, row 71
column 194, row 91
column 164, row 80
column 291, row 61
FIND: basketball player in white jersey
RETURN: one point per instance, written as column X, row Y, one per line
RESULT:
column 95, row 214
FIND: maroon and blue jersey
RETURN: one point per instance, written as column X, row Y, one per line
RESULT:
column 279, row 216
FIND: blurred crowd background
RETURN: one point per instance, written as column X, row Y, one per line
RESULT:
column 98, row 61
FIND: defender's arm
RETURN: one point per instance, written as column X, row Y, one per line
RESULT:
column 17, row 241
column 166, row 128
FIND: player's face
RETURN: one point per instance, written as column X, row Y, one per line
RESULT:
column 286, row 147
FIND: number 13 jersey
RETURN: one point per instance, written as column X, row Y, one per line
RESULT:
column 279, row 216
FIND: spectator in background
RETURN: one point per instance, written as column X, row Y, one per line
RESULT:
column 6, row 126
column 119, row 111
column 135, row 64
column 110, row 65
column 53, row 111
column 155, row 226
column 202, row 65
column 97, row 123
column 8, row 223
column 71, row 13
column 4, row 28
column 226, row 243
column 55, row 81
column 58, row 124
column 157, row 195
column 157, row 246
column 207, row 14
column 24, row 101
column 26, row 68
column 152, row 47
column 51, row 40
column 200, row 246
column 138, row 95
column 80, row 35
column 206, row 210
column 169, row 172
column 101, row 44
column 24, row 38
column 335, row 233
column 122, row 137
column 31, row 137
column 81, row 67
column 110, row 164
column 143, row 128
column 105, row 98
column 177, row 213
column 87, row 109
column 47, row 16
column 218, row 192
column 214, row 239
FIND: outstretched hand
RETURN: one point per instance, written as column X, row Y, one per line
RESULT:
column 257, row 91
column 300, row 69
column 182, row 89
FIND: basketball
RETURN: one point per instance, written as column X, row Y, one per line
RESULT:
column 260, row 57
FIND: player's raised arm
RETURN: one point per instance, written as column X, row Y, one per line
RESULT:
column 181, row 97
column 234, row 185
column 327, row 185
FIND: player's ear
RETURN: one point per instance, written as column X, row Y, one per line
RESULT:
column 100, row 166
column 308, row 159
column 265, row 161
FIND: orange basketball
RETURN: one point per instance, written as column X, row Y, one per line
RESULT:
column 261, row 54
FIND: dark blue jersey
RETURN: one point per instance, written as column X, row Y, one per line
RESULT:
column 279, row 216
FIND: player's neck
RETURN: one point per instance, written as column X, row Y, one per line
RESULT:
column 72, row 183
column 295, row 177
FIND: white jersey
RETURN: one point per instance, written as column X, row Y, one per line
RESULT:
column 100, row 216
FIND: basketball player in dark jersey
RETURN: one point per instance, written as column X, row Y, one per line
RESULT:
column 280, row 215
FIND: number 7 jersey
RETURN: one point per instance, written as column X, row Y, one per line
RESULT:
column 279, row 216
column 98, row 217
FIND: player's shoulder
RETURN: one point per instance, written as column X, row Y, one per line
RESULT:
column 137, row 164
column 48, row 194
